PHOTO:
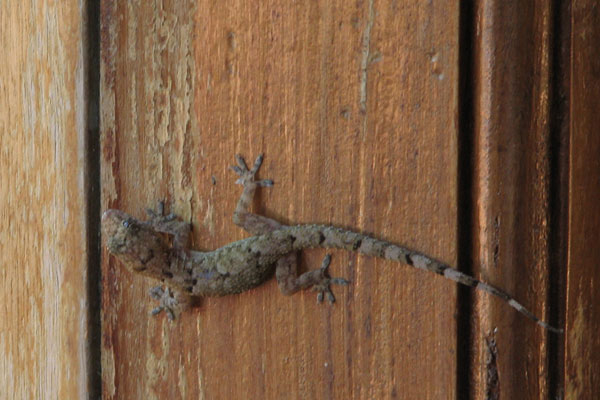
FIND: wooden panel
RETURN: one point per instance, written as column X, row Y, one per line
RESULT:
column 582, row 348
column 512, row 106
column 355, row 106
column 44, row 331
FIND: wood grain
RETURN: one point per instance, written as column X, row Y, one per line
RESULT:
column 358, row 110
column 355, row 107
column 512, row 150
column 44, row 328
column 582, row 347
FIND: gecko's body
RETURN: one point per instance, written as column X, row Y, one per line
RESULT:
column 247, row 263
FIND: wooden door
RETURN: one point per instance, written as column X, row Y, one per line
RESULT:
column 465, row 130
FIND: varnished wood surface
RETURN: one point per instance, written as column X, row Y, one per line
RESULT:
column 355, row 108
column 365, row 112
column 44, row 256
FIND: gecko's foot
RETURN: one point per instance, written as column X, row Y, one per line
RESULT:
column 168, row 302
column 157, row 216
column 324, row 281
column 171, row 224
column 246, row 176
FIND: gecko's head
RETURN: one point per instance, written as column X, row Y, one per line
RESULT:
column 134, row 243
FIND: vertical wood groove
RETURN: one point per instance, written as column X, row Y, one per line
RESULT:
column 465, row 198
column 513, row 189
column 91, row 62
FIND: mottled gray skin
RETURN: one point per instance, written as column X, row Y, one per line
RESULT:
column 142, row 246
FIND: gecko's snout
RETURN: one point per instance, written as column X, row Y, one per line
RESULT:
column 110, row 214
column 113, row 231
column 107, row 214
column 111, row 220
column 113, row 216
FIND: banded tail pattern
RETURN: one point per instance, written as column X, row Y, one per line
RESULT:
column 331, row 237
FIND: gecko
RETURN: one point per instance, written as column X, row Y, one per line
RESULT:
column 158, row 248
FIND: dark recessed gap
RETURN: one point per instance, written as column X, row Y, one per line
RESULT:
column 91, row 61
column 558, row 190
column 464, row 196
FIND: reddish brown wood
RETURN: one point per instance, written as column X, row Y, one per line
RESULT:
column 355, row 106
column 582, row 347
column 512, row 105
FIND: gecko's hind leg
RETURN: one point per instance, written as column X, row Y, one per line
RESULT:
column 286, row 270
column 170, row 224
column 253, row 223
column 319, row 280
column 171, row 302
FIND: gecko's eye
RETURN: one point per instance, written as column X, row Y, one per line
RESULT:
column 129, row 223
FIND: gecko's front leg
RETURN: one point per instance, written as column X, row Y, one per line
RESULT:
column 171, row 301
column 170, row 224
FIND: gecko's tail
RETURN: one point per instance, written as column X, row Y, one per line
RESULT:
column 327, row 236
column 467, row 280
